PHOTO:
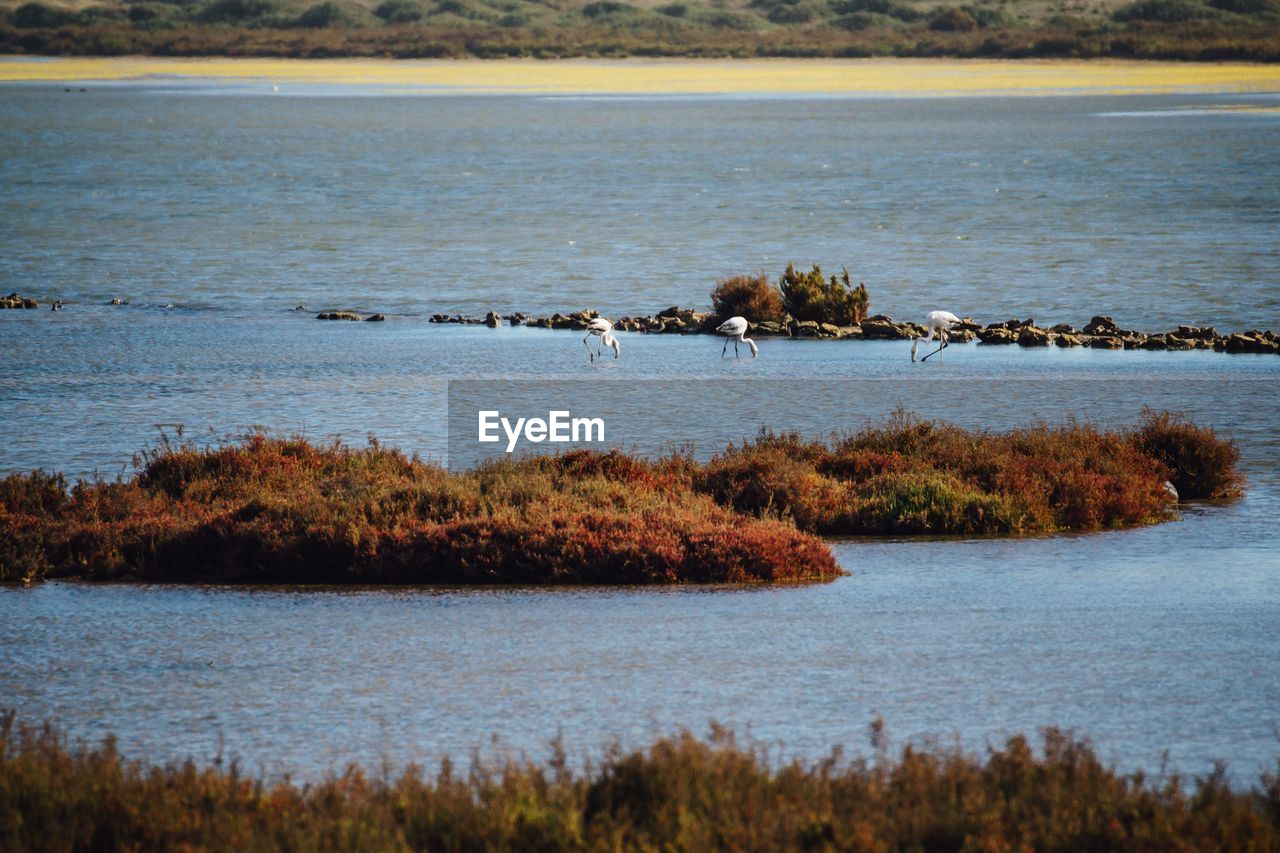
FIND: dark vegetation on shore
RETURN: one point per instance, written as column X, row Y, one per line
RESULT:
column 681, row 793
column 275, row 510
column 1208, row 30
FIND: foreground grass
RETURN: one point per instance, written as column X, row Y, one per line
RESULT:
column 680, row 793
column 274, row 510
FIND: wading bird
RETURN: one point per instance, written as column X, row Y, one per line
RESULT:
column 603, row 329
column 936, row 326
column 736, row 328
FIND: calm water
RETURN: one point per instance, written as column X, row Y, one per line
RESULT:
column 235, row 207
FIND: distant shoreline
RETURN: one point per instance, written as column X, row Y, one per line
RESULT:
column 882, row 77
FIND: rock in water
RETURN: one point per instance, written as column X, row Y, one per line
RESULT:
column 13, row 300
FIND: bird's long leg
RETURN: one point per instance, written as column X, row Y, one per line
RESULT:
column 590, row 355
column 725, row 348
column 935, row 352
column 735, row 348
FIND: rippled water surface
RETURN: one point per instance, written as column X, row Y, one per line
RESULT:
column 233, row 208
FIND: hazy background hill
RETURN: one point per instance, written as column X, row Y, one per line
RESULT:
column 1168, row 29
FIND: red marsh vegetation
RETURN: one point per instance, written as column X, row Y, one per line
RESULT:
column 909, row 475
column 274, row 510
column 284, row 510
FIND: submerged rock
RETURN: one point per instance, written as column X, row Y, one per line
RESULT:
column 492, row 320
column 13, row 300
column 375, row 318
column 337, row 315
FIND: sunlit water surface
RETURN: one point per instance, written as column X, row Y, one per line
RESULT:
column 235, row 208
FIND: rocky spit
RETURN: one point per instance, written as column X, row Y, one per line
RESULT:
column 1100, row 332
column 13, row 300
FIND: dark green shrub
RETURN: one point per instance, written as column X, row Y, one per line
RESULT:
column 788, row 14
column 140, row 13
column 603, row 8
column 673, row 10
column 1247, row 7
column 725, row 19
column 239, row 11
column 100, row 15
column 750, row 296
column 953, row 19
column 399, row 11
column 39, row 16
column 809, row 296
column 889, row 8
column 1164, row 11
column 455, row 7
column 326, row 14
column 987, row 17
column 863, row 21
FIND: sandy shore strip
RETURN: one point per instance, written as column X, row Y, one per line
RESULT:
column 869, row 77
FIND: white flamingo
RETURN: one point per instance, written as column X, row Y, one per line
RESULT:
column 736, row 328
column 603, row 329
column 936, row 326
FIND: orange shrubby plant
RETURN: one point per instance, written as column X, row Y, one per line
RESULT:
column 752, row 296
column 285, row 510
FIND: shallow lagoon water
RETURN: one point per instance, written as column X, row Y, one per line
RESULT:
column 235, row 209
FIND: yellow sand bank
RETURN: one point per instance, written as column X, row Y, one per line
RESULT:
column 632, row 76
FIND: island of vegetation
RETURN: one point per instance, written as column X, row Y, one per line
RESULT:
column 284, row 510
column 1148, row 29
column 681, row 793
